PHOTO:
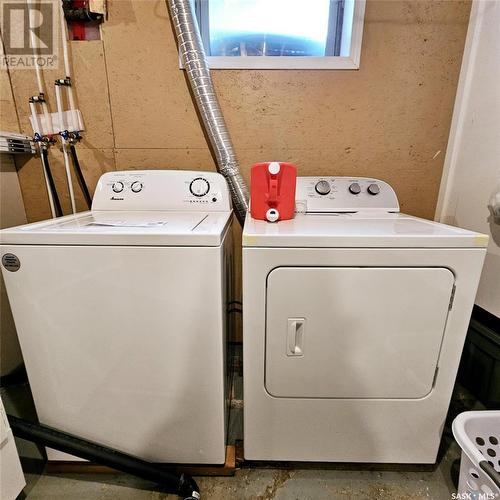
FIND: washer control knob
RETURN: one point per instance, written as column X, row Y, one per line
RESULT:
column 136, row 187
column 373, row 189
column 199, row 187
column 354, row 188
column 117, row 187
column 322, row 187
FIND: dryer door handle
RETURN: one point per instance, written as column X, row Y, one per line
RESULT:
column 295, row 336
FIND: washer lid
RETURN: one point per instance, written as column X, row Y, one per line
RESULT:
column 124, row 228
column 358, row 230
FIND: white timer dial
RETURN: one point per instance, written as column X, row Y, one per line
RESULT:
column 199, row 187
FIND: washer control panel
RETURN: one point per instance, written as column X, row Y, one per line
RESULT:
column 162, row 190
column 344, row 194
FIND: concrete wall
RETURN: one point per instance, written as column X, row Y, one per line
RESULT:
column 472, row 168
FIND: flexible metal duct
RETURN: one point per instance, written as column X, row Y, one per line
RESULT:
column 198, row 73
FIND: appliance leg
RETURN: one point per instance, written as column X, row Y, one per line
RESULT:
column 183, row 485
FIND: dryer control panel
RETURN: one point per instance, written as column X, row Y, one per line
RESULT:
column 344, row 194
column 179, row 190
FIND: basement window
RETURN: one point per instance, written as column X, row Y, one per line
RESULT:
column 281, row 34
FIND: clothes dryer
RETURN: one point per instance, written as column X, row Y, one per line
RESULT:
column 354, row 320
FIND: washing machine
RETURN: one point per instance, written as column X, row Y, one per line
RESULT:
column 121, row 315
column 354, row 320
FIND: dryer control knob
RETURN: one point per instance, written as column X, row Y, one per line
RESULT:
column 355, row 188
column 322, row 187
column 136, row 187
column 373, row 189
column 118, row 187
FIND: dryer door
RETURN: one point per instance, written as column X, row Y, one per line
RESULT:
column 355, row 332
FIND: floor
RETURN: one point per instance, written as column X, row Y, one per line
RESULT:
column 258, row 484
column 250, row 482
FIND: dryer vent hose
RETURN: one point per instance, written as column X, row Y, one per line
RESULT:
column 183, row 485
column 202, row 88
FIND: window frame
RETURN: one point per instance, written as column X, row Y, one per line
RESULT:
column 350, row 61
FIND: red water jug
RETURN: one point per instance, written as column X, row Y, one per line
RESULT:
column 272, row 191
